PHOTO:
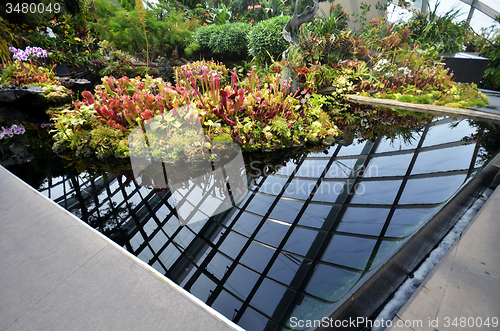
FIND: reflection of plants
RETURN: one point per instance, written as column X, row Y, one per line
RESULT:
column 34, row 160
column 370, row 124
column 9, row 130
column 261, row 164
column 488, row 136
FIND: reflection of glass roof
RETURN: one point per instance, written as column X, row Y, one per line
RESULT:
column 301, row 238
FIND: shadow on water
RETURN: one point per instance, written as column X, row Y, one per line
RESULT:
column 315, row 225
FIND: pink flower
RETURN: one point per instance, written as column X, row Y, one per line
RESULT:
column 250, row 7
column 257, row 6
column 375, row 21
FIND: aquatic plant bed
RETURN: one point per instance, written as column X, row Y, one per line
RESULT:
column 325, row 233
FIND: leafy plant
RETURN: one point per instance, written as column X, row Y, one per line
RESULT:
column 219, row 15
column 25, row 73
column 165, row 32
column 256, row 117
column 142, row 18
column 332, row 22
column 201, row 39
column 428, row 29
column 265, row 39
column 417, row 79
column 5, row 38
column 227, row 41
column 489, row 46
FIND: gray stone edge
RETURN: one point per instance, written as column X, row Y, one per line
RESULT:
column 442, row 262
column 141, row 263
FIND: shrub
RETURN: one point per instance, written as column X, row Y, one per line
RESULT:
column 201, row 39
column 228, row 40
column 265, row 39
column 121, row 28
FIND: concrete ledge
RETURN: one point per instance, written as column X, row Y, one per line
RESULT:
column 465, row 283
column 57, row 273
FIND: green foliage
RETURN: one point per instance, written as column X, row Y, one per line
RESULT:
column 5, row 39
column 221, row 41
column 69, row 122
column 332, row 22
column 490, row 48
column 405, row 98
column 428, row 29
column 488, row 135
column 412, row 77
column 230, row 40
column 252, row 115
column 127, row 4
column 273, row 8
column 219, row 15
column 265, row 40
column 165, row 33
column 332, row 48
column 192, row 49
column 201, row 37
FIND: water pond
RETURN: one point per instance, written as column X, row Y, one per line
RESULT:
column 311, row 228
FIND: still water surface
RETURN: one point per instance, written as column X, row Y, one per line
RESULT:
column 303, row 236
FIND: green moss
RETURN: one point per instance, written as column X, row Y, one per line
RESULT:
column 122, row 150
column 437, row 94
column 405, row 98
column 222, row 137
column 279, row 126
column 423, row 99
column 480, row 102
column 453, row 104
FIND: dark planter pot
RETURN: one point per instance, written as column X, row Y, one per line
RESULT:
column 62, row 70
column 83, row 72
column 41, row 61
column 466, row 67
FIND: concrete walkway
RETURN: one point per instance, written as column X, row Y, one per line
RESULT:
column 464, row 284
column 59, row 274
